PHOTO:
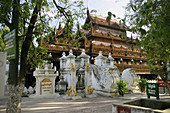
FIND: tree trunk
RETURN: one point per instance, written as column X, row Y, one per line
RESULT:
column 14, row 100
column 15, row 93
column 167, row 86
column 16, row 82
column 165, row 80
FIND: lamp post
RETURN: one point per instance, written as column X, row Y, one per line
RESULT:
column 140, row 61
column 121, row 60
column 62, row 85
column 132, row 61
column 92, row 60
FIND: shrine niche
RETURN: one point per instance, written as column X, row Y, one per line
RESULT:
column 46, row 87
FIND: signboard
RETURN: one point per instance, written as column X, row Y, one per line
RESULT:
column 121, row 109
column 10, row 42
column 161, row 83
column 46, row 87
column 152, row 90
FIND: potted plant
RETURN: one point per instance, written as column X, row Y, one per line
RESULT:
column 121, row 87
column 142, row 85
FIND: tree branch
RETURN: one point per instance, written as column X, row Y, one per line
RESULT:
column 28, row 39
column 6, row 22
column 61, row 10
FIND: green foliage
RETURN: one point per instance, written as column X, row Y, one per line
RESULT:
column 69, row 11
column 2, row 33
column 2, row 45
column 93, row 11
column 108, row 19
column 95, row 18
column 5, row 9
column 150, row 20
column 142, row 84
column 31, row 20
column 121, row 87
column 86, row 27
column 35, row 56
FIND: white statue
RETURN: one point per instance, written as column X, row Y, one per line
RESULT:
column 131, row 78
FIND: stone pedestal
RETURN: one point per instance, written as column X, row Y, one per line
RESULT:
column 88, row 83
column 87, row 80
column 72, row 93
column 2, row 72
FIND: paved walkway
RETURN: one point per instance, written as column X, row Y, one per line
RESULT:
column 99, row 104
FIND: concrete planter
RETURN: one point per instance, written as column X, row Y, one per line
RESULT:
column 141, row 106
column 2, row 72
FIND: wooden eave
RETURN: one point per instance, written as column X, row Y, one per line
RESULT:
column 109, row 26
column 105, row 37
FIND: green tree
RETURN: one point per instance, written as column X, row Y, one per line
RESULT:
column 31, row 20
column 150, row 19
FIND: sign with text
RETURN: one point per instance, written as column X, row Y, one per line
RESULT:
column 161, row 83
column 152, row 90
column 10, row 43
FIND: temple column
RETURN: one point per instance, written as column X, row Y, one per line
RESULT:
column 87, row 72
column 73, row 79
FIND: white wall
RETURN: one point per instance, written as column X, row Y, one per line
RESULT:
column 2, row 72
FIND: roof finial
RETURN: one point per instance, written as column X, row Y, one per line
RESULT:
column 87, row 4
column 88, row 11
column 87, row 8
column 59, row 27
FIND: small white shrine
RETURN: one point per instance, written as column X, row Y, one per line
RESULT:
column 45, row 81
column 68, row 72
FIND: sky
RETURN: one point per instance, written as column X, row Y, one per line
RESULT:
column 117, row 7
column 102, row 7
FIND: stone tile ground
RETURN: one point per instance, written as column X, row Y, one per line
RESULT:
column 99, row 104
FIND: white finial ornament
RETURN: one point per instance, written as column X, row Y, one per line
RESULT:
column 100, row 53
column 50, row 55
column 109, row 55
column 71, row 52
column 83, row 51
column 64, row 54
